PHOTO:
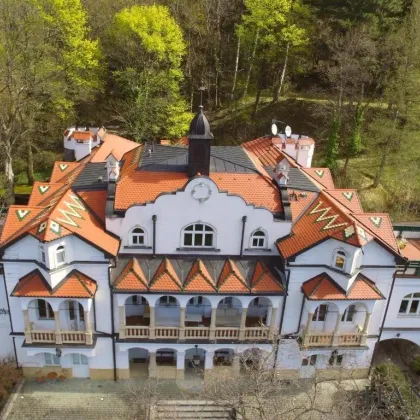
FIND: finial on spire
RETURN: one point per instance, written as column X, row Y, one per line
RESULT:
column 202, row 88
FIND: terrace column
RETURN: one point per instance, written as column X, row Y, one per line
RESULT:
column 208, row 364
column 152, row 324
column 242, row 325
column 58, row 338
column 89, row 335
column 213, row 324
column 28, row 335
column 307, row 329
column 182, row 323
column 152, row 365
column 365, row 329
column 272, row 323
column 236, row 364
column 121, row 316
column 336, row 334
column 180, row 365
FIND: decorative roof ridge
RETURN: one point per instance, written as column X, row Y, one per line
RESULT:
column 206, row 276
column 324, row 276
column 166, row 270
column 232, row 270
column 76, row 274
column 28, row 277
column 367, row 281
column 265, row 271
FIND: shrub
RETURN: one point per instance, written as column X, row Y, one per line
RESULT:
column 9, row 376
column 415, row 365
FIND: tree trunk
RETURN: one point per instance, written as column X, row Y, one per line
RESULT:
column 257, row 102
column 9, row 176
column 248, row 75
column 235, row 74
column 346, row 165
column 279, row 87
column 30, row 168
column 381, row 168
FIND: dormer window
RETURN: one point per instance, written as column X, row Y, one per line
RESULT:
column 340, row 260
column 60, row 255
column 258, row 240
column 198, row 235
column 137, row 237
column 42, row 254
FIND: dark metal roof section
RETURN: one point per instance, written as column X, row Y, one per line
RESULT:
column 299, row 181
column 200, row 127
column 159, row 158
column 93, row 177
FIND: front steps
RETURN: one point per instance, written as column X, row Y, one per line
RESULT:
column 190, row 409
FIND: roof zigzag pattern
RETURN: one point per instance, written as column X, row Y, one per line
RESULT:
column 323, row 217
column 72, row 211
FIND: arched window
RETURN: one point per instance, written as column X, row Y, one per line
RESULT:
column 320, row 313
column 60, row 255
column 137, row 236
column 349, row 314
column 410, row 305
column 258, row 239
column 340, row 260
column 198, row 235
column 44, row 310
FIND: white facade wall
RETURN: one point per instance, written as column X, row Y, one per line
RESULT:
column 6, row 348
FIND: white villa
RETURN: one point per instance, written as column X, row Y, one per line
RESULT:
column 147, row 260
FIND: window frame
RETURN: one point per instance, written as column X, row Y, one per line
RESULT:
column 137, row 235
column 60, row 250
column 49, row 312
column 349, row 314
column 340, row 253
column 211, row 232
column 336, row 360
column 324, row 313
column 42, row 254
column 263, row 237
column 53, row 361
column 410, row 299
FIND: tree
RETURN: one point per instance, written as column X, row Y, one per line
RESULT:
column 145, row 52
column 333, row 145
column 354, row 144
column 47, row 65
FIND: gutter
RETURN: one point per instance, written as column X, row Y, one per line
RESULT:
column 154, row 218
column 300, row 316
column 244, row 219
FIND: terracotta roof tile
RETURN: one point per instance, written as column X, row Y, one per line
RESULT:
column 199, row 279
column 263, row 281
column 62, row 170
column 165, row 278
column 114, row 144
column 132, row 278
column 348, row 198
column 411, row 250
column 322, row 176
column 323, row 287
column 42, row 191
column 231, row 280
column 96, row 201
column 74, row 285
column 301, row 203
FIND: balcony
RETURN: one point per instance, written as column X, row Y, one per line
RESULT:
column 197, row 321
column 321, row 339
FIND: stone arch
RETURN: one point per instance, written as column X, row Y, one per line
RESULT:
column 325, row 317
column 228, row 313
column 41, row 314
column 72, row 315
column 198, row 311
column 138, row 361
column 167, row 311
column 137, row 311
column 195, row 361
column 259, row 312
column 399, row 350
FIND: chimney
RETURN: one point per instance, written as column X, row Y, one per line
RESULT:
column 199, row 144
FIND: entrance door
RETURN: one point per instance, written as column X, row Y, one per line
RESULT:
column 80, row 366
column 77, row 316
column 308, row 368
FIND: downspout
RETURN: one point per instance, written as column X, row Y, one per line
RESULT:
column 401, row 271
column 281, row 319
column 154, row 218
column 10, row 318
column 300, row 316
column 94, row 319
column 244, row 219
column 111, row 297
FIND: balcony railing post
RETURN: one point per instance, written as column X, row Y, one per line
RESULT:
column 121, row 313
column 28, row 328
column 213, row 324
column 307, row 330
column 58, row 338
column 336, row 335
column 363, row 338
column 242, row 325
column 152, row 325
column 182, row 323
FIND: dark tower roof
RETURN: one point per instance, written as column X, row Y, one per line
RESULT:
column 200, row 127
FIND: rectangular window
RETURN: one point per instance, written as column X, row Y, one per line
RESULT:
column 51, row 359
column 135, row 300
column 313, row 360
column 198, row 239
column 72, row 313
column 208, row 240
column 403, row 307
column 188, row 239
column 414, row 306
column 44, row 310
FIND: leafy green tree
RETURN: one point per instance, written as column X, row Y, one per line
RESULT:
column 354, row 144
column 333, row 144
column 47, row 65
column 145, row 50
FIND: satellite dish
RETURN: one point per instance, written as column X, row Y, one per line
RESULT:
column 274, row 129
column 288, row 131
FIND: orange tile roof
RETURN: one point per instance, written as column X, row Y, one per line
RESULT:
column 411, row 250
column 321, row 175
column 82, row 135
column 199, row 279
column 165, row 278
column 302, row 202
column 74, row 285
column 42, row 191
column 132, row 278
column 96, row 201
column 62, row 170
column 231, row 280
column 348, row 198
column 262, row 280
column 323, row 287
column 114, row 144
